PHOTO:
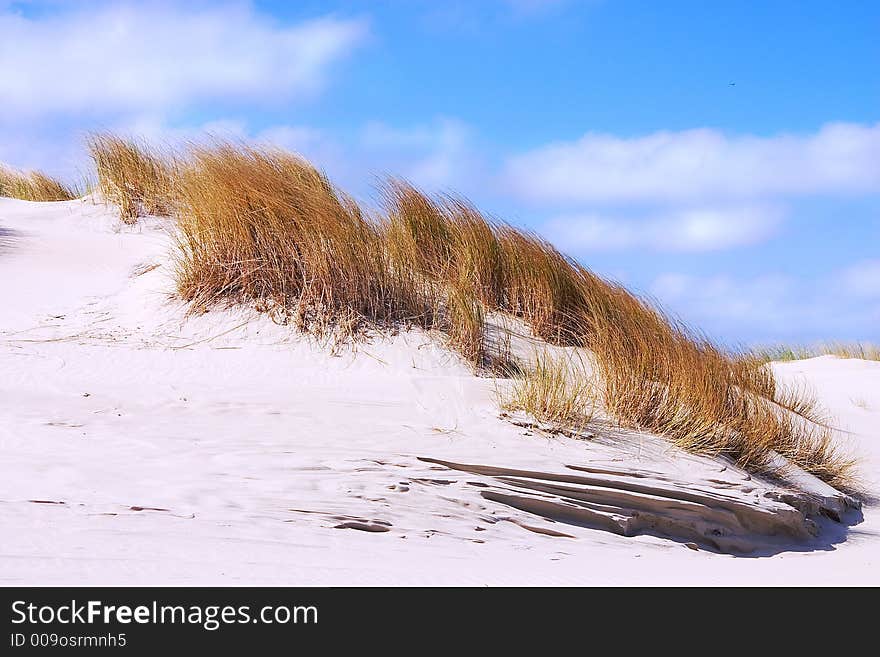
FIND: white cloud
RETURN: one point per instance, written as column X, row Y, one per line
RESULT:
column 768, row 308
column 436, row 154
column 764, row 301
column 154, row 129
column 695, row 165
column 863, row 279
column 321, row 149
column 296, row 138
column 671, row 286
column 101, row 60
column 432, row 155
column 700, row 229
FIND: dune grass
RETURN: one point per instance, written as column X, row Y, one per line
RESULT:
column 263, row 225
column 849, row 350
column 132, row 176
column 33, row 186
column 558, row 391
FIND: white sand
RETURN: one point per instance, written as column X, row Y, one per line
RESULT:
column 140, row 447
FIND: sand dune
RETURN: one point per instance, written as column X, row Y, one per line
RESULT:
column 144, row 445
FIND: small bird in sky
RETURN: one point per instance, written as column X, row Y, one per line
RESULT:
column 732, row 84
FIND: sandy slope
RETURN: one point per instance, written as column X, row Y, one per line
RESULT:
column 138, row 446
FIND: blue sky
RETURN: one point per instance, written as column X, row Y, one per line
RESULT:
column 721, row 157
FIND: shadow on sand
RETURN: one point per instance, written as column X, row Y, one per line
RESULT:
column 724, row 517
column 7, row 239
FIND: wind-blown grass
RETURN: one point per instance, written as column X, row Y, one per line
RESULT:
column 263, row 225
column 654, row 373
column 33, row 186
column 135, row 178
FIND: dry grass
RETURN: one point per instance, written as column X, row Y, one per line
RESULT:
column 446, row 245
column 654, row 373
column 465, row 321
column 785, row 353
column 136, row 178
column 33, row 186
column 557, row 391
column 264, row 225
column 665, row 380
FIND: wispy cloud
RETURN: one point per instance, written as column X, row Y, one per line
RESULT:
column 863, row 279
column 435, row 155
column 692, row 229
column 769, row 307
column 104, row 59
column 697, row 165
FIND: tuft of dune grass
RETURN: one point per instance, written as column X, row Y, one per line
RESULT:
column 137, row 179
column 557, row 391
column 263, row 225
column 33, row 186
